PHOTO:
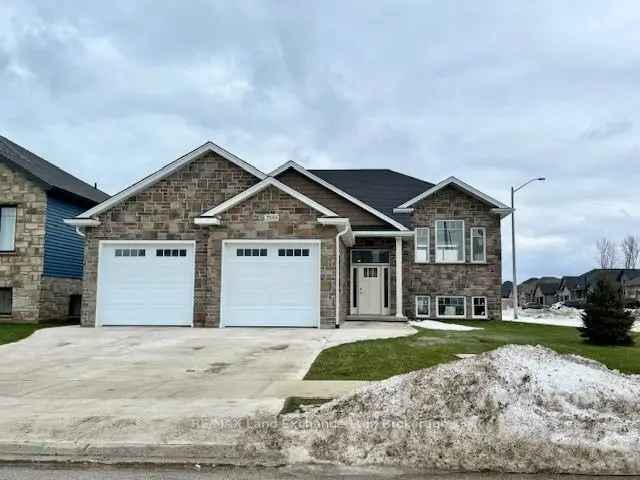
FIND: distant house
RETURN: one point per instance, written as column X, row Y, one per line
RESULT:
column 526, row 290
column 507, row 288
column 617, row 276
column 632, row 288
column 627, row 279
column 567, row 289
column 545, row 291
column 41, row 258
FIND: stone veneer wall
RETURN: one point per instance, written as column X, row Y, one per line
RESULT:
column 166, row 211
column 55, row 294
column 466, row 279
column 22, row 269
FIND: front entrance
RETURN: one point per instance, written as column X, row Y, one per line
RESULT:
column 369, row 282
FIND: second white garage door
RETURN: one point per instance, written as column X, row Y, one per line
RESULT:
column 270, row 284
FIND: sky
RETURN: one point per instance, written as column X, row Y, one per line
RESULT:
column 492, row 92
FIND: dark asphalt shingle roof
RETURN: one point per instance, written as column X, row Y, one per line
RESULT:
column 381, row 189
column 507, row 287
column 47, row 173
column 548, row 285
column 569, row 282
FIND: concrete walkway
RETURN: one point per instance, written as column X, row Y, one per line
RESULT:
column 156, row 393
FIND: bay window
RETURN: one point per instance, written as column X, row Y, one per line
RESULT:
column 450, row 241
column 421, row 253
column 7, row 229
column 478, row 244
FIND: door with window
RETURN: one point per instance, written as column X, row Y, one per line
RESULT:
column 370, row 282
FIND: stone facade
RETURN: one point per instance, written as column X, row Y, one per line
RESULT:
column 22, row 269
column 55, row 295
column 165, row 211
column 461, row 279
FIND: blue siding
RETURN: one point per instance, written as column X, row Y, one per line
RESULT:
column 63, row 247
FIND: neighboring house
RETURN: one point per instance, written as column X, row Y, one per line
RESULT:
column 526, row 290
column 507, row 288
column 41, row 258
column 209, row 240
column 632, row 289
column 617, row 276
column 546, row 289
column 626, row 282
column 567, row 289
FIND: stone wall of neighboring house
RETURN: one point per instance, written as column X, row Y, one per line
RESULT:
column 165, row 211
column 55, row 295
column 468, row 279
column 22, row 269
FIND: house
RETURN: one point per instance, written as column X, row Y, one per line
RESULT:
column 209, row 240
column 632, row 289
column 545, row 291
column 567, row 289
column 617, row 276
column 507, row 288
column 526, row 290
column 627, row 284
column 41, row 258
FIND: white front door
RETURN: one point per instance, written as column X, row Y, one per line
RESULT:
column 369, row 290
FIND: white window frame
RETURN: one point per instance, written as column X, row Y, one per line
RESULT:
column 486, row 309
column 484, row 244
column 421, row 315
column 415, row 245
column 12, row 238
column 451, row 316
column 464, row 253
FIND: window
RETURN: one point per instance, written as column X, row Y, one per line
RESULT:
column 450, row 241
column 386, row 287
column 6, row 301
column 131, row 252
column 370, row 256
column 251, row 252
column 177, row 252
column 293, row 252
column 7, row 229
column 370, row 272
column 478, row 244
column 479, row 307
column 423, row 306
column 355, row 288
column 421, row 253
column 451, row 307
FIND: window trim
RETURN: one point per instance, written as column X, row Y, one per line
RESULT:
column 484, row 244
column 486, row 309
column 451, row 316
column 15, row 226
column 420, row 315
column 464, row 252
column 415, row 245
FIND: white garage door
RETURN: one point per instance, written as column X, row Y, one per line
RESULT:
column 270, row 284
column 148, row 283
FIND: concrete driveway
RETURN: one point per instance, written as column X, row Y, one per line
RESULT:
column 70, row 388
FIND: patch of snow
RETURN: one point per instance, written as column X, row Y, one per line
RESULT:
column 433, row 325
column 516, row 409
column 558, row 314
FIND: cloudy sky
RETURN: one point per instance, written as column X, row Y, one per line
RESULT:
column 492, row 92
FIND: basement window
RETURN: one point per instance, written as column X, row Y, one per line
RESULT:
column 451, row 307
column 6, row 300
column 423, row 306
column 479, row 307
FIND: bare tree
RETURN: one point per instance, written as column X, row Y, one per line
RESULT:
column 607, row 253
column 630, row 251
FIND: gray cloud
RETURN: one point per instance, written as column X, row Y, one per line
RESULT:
column 492, row 92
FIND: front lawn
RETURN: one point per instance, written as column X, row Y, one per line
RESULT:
column 379, row 359
column 12, row 332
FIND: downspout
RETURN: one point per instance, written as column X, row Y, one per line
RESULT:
column 338, row 236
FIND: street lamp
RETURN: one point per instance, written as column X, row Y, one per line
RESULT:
column 513, row 243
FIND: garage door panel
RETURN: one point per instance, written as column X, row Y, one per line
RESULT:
column 271, row 289
column 146, row 290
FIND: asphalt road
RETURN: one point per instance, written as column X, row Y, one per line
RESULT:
column 93, row 472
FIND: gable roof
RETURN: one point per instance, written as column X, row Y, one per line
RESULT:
column 592, row 276
column 507, row 288
column 46, row 173
column 383, row 189
column 316, row 176
column 167, row 170
column 568, row 282
column 258, row 187
column 548, row 285
column 461, row 185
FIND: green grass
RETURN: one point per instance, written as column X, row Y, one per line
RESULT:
column 379, row 359
column 12, row 332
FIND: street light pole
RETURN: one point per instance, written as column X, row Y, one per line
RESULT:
column 514, row 289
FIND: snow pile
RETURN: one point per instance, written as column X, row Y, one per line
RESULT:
column 515, row 409
column 434, row 325
column 557, row 314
